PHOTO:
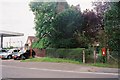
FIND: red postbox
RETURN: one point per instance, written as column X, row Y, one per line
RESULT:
column 103, row 51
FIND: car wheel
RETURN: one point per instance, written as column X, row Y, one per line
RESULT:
column 33, row 56
column 15, row 58
column 9, row 57
column 22, row 57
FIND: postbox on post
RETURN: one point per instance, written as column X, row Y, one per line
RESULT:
column 103, row 52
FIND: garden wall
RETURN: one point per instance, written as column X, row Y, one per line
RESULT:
column 40, row 52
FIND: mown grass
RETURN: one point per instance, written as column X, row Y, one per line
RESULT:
column 59, row 60
column 103, row 65
column 47, row 59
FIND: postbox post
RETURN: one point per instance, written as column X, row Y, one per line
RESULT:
column 103, row 54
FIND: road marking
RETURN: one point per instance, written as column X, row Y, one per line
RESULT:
column 61, row 70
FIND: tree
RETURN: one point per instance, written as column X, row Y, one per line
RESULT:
column 112, row 26
column 100, row 8
column 65, row 25
column 109, row 36
column 45, row 13
column 91, row 25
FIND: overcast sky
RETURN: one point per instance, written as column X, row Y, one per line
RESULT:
column 15, row 15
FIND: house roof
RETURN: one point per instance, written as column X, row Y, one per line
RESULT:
column 33, row 38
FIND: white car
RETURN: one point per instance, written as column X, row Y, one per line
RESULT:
column 18, row 54
column 3, row 52
column 8, row 54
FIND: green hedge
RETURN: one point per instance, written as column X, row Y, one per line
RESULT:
column 73, row 54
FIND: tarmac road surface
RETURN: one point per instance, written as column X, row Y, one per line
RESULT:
column 17, row 69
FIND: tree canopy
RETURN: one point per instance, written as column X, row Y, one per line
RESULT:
column 65, row 25
column 112, row 26
column 45, row 13
column 59, row 25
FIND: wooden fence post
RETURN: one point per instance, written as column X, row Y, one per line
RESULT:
column 83, row 56
column 108, row 55
column 94, row 56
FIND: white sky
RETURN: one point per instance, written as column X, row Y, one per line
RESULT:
column 15, row 15
column 84, row 4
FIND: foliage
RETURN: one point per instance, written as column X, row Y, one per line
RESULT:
column 100, row 8
column 91, row 25
column 55, row 26
column 109, row 36
column 112, row 26
column 82, row 40
column 45, row 13
column 42, row 43
column 65, row 25
column 34, row 44
column 102, row 37
column 72, row 54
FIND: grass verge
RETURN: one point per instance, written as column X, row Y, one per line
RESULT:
column 103, row 65
column 47, row 59
column 59, row 60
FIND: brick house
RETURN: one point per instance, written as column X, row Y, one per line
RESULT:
column 30, row 40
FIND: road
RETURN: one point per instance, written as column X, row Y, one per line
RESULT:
column 17, row 69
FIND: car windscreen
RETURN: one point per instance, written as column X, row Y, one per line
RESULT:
column 16, row 50
column 10, row 51
column 3, row 50
column 22, row 51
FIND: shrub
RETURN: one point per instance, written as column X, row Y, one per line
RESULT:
column 73, row 54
